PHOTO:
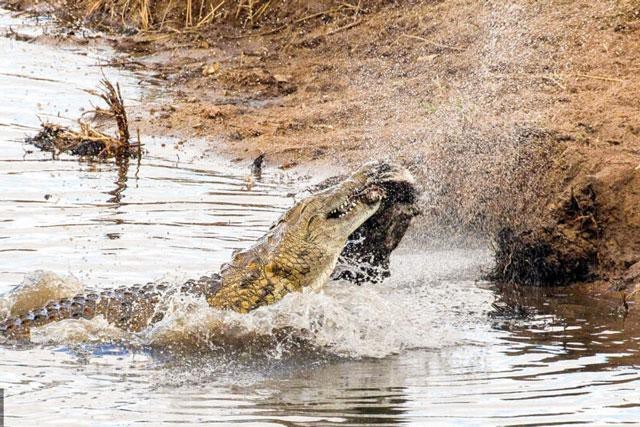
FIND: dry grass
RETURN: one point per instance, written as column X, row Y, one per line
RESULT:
column 189, row 15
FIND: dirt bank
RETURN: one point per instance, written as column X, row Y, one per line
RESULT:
column 522, row 119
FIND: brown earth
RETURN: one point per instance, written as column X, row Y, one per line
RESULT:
column 521, row 119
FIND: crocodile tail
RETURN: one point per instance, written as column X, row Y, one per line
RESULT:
column 123, row 306
column 132, row 308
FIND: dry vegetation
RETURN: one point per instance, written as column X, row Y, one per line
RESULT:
column 189, row 16
column 88, row 141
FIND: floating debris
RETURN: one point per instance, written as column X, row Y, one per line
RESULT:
column 88, row 141
column 256, row 166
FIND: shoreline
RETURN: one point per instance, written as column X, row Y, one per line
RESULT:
column 509, row 115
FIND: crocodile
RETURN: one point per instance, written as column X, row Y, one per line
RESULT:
column 300, row 250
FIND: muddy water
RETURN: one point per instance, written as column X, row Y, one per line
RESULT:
column 432, row 345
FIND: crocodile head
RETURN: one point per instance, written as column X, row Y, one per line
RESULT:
column 329, row 217
column 302, row 248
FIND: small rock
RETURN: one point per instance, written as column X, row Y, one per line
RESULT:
column 219, row 111
column 211, row 69
column 427, row 58
column 256, row 166
column 214, row 113
column 289, row 164
column 281, row 78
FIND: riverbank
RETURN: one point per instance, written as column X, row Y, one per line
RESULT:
column 520, row 119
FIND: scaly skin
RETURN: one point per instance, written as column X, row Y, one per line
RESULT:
column 132, row 308
column 300, row 250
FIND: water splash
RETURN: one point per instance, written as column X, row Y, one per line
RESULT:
column 341, row 319
column 36, row 290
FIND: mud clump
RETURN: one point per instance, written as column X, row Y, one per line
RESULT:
column 85, row 143
column 591, row 232
column 538, row 258
column 257, row 81
column 90, row 142
column 554, row 254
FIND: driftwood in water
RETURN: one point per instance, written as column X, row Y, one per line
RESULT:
column 88, row 141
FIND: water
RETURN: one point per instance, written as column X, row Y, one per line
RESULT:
column 435, row 344
column 86, row 218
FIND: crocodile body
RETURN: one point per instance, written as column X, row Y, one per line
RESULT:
column 300, row 250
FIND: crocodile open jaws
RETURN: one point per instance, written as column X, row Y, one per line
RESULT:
column 300, row 250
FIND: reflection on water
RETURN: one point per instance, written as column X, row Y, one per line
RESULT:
column 570, row 323
column 122, row 163
column 432, row 345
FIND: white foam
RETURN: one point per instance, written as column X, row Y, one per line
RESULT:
column 427, row 304
column 36, row 290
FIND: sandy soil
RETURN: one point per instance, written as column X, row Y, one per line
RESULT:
column 521, row 119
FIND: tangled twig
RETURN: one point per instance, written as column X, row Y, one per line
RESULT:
column 88, row 141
